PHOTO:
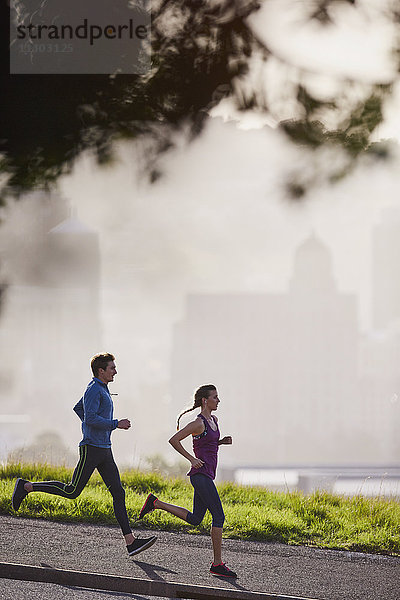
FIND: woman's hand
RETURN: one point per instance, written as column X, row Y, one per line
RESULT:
column 196, row 462
column 227, row 440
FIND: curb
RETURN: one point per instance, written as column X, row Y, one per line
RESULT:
column 130, row 585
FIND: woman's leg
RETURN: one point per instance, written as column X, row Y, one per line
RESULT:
column 216, row 540
column 177, row 511
column 208, row 495
column 194, row 518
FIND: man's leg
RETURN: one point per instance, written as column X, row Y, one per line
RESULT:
column 86, row 465
column 110, row 474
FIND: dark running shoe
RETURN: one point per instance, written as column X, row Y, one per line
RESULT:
column 148, row 506
column 140, row 544
column 222, row 570
column 19, row 493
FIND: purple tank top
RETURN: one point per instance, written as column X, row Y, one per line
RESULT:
column 205, row 447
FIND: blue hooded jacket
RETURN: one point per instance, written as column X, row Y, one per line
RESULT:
column 95, row 410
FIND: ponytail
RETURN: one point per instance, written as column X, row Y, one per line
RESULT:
column 202, row 392
column 183, row 413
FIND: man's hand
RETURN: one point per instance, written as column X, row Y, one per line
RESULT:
column 226, row 440
column 124, row 424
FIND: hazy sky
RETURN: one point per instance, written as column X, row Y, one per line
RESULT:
column 219, row 220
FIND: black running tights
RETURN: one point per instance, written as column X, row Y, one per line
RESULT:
column 92, row 458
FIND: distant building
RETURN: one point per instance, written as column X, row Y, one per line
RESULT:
column 50, row 327
column 380, row 347
column 386, row 269
column 380, row 392
column 285, row 365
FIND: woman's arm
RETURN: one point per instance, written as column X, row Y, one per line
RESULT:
column 193, row 428
column 225, row 440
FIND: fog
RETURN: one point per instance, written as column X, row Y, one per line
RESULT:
column 216, row 225
column 211, row 274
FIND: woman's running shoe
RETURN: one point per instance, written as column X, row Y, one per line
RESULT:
column 148, row 506
column 222, row 570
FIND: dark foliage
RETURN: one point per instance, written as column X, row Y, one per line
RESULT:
column 48, row 120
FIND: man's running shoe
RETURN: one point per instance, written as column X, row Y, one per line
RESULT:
column 140, row 544
column 148, row 506
column 19, row 493
column 222, row 570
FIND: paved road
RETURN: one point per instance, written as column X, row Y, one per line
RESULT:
column 262, row 567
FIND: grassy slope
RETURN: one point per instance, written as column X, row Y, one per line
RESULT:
column 320, row 519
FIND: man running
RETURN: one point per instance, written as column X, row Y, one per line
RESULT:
column 95, row 410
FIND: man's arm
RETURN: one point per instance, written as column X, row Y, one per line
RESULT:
column 91, row 403
column 78, row 408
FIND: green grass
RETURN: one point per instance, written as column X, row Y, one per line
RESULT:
column 321, row 519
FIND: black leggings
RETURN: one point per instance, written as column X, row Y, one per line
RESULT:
column 92, row 458
column 205, row 497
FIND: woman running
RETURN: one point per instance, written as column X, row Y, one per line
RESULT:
column 206, row 439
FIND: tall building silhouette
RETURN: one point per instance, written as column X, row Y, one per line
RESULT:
column 380, row 355
column 386, row 269
column 285, row 364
